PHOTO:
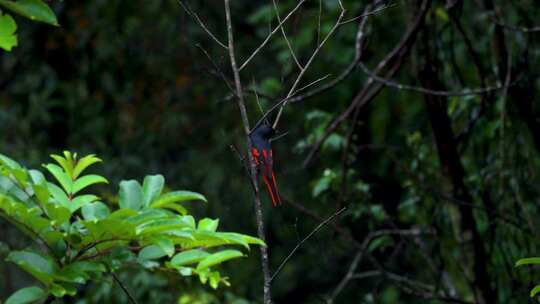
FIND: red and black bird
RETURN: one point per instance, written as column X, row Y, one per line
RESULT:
column 263, row 156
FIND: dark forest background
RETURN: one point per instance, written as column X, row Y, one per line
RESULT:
column 426, row 129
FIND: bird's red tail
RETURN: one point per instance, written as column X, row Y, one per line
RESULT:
column 271, row 185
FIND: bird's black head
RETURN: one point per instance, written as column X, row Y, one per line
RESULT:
column 264, row 131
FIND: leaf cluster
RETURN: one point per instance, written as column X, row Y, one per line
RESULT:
column 82, row 238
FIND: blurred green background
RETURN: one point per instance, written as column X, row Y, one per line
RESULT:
column 130, row 82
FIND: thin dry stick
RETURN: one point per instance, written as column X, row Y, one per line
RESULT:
column 263, row 44
column 306, row 66
column 516, row 28
column 285, row 36
column 310, row 84
column 278, row 270
column 370, row 90
column 359, row 255
column 359, row 45
column 201, row 23
column 218, row 70
column 253, row 170
column 399, row 86
column 369, row 13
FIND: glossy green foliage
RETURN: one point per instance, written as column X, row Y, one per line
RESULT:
column 83, row 235
column 35, row 10
column 8, row 38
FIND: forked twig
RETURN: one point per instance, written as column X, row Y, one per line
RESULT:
column 201, row 23
column 322, row 224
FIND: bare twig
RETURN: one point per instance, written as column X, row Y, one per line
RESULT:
column 293, row 55
column 344, row 233
column 358, row 48
column 218, row 70
column 307, row 65
column 370, row 90
column 253, row 170
column 359, row 255
column 516, row 28
column 322, row 224
column 399, row 86
column 411, row 286
column 265, row 41
column 369, row 13
column 310, row 84
column 359, row 45
column 194, row 15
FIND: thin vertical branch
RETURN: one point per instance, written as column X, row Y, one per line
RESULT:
column 253, row 170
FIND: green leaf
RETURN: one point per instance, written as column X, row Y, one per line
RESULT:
column 37, row 177
column 71, row 274
column 86, row 181
column 152, row 187
column 27, row 295
column 188, row 257
column 41, row 267
column 218, row 258
column 8, row 27
column 81, row 201
column 162, row 225
column 52, row 237
column 65, row 163
column 10, row 163
column 87, row 266
column 528, row 261
column 42, row 193
column 95, row 211
column 176, row 207
column 177, row 196
column 151, row 252
column 147, row 215
column 535, row 291
column 130, row 195
column 122, row 214
column 214, row 279
column 61, row 176
column 241, row 239
column 57, row 213
column 110, row 229
column 35, row 10
column 84, row 163
column 207, row 224
column 323, row 183
column 58, row 195
column 212, row 239
column 250, row 239
column 21, row 176
column 60, row 290
column 165, row 244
